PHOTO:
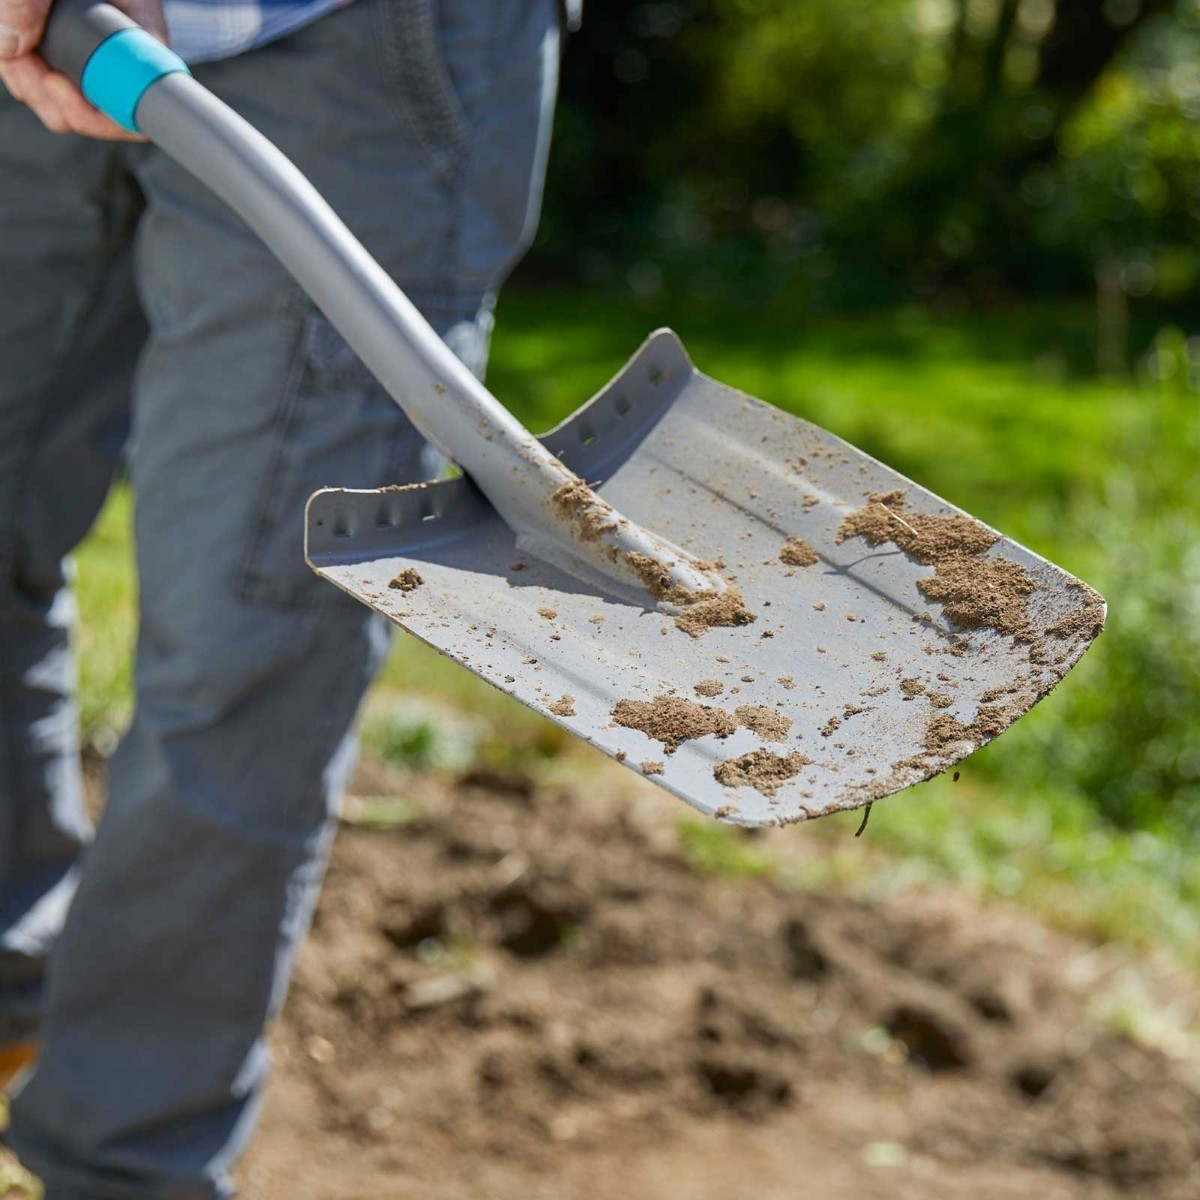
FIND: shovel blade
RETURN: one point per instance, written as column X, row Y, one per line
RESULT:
column 850, row 684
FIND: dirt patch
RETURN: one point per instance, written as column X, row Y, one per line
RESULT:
column 548, row 614
column 709, row 688
column 702, row 614
column 1085, row 622
column 911, row 687
column 797, row 552
column 761, row 770
column 578, row 505
column 928, row 539
column 975, row 592
column 700, row 611
column 407, row 581
column 982, row 593
column 943, row 731
column 587, row 1016
column 673, row 720
column 564, row 706
column 770, row 725
column 650, row 767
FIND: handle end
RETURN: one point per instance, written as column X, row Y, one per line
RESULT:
column 113, row 59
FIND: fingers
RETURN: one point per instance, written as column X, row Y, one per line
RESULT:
column 21, row 25
column 57, row 102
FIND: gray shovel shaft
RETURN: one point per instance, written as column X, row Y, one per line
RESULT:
column 443, row 399
column 143, row 85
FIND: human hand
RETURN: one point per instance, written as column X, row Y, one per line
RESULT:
column 58, row 103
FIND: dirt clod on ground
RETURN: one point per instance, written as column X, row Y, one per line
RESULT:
column 709, row 688
column 407, row 581
column 548, row 614
column 797, row 552
column 564, row 706
column 589, row 1015
column 760, row 769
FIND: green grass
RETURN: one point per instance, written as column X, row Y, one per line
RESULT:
column 1089, row 808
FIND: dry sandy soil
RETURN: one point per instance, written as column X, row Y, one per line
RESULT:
column 528, row 993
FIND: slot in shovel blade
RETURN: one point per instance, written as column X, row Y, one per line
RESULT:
column 851, row 683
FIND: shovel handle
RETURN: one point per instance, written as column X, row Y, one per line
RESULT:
column 137, row 81
column 133, row 78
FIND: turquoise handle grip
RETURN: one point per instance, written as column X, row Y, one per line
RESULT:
column 122, row 68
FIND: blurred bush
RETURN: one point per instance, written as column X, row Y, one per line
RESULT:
column 869, row 150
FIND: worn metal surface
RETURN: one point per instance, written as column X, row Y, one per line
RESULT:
column 721, row 475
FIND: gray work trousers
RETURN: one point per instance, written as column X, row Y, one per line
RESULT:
column 147, row 960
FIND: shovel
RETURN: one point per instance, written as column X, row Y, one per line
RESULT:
column 746, row 609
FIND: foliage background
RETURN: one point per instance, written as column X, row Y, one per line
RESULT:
column 961, row 234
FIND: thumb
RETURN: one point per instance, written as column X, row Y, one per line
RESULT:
column 21, row 25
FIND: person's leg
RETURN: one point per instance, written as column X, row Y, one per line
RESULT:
column 422, row 122
column 70, row 332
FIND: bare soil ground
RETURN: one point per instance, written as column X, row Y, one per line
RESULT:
column 529, row 993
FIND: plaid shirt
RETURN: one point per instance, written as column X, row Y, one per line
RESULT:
column 203, row 30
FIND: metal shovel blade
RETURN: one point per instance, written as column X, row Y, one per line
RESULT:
column 908, row 642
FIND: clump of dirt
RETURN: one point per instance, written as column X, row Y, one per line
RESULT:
column 761, row 770
column 700, row 611
column 798, row 553
column 653, row 768
column 982, row 593
column 578, row 505
column 944, row 731
column 564, row 706
column 673, row 720
column 770, row 725
column 407, row 581
column 928, row 539
column 549, row 614
column 1085, row 622
column 709, row 687
column 831, row 726
column 703, row 614
column 975, row 592
column 588, row 1012
column 911, row 687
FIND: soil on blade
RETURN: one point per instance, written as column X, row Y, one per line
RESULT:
column 797, row 552
column 761, row 770
column 673, row 720
column 976, row 592
column 699, row 611
column 529, row 994
column 407, row 581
